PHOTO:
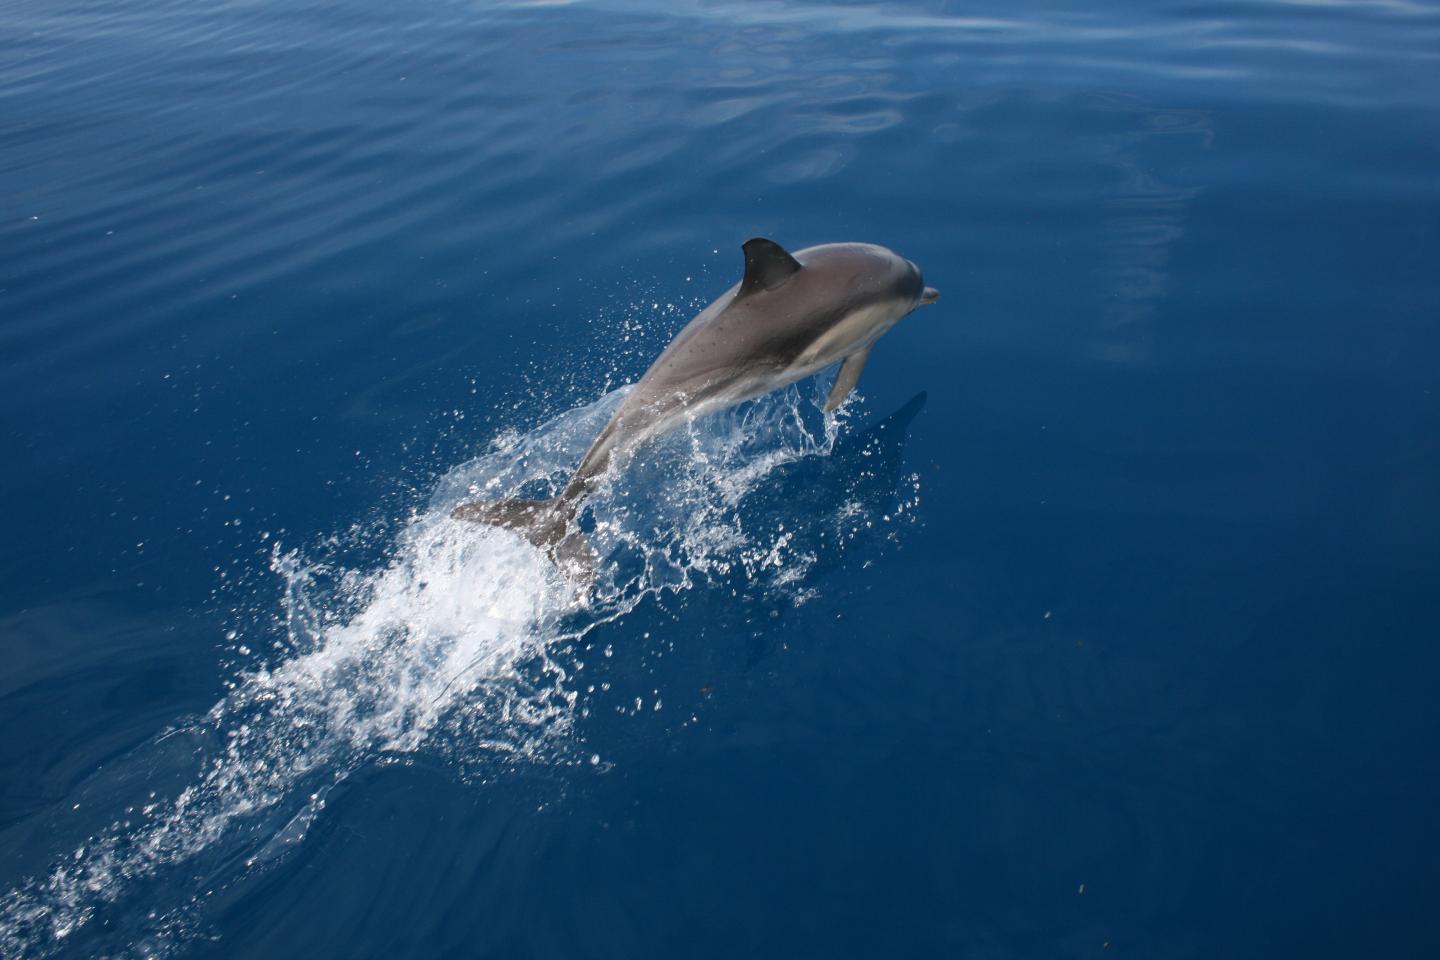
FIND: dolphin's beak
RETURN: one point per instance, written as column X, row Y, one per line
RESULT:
column 929, row 296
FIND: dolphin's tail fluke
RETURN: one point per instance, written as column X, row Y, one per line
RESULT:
column 548, row 524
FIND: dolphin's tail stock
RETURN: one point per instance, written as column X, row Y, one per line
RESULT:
column 548, row 524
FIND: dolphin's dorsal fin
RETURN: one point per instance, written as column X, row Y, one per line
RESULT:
column 767, row 266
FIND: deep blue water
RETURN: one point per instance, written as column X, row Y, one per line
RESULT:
column 1104, row 622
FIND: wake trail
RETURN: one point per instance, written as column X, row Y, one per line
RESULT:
column 446, row 649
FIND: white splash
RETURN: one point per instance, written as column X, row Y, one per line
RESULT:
column 445, row 649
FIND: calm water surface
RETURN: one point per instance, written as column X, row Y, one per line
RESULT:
column 1103, row 624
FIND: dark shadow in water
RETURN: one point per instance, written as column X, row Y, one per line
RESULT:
column 834, row 515
column 844, row 509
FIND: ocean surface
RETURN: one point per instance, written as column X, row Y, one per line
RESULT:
column 1103, row 622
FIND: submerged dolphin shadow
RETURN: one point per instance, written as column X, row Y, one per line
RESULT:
column 835, row 513
column 864, row 468
column 827, row 511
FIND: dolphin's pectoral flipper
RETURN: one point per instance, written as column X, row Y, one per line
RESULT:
column 767, row 266
column 548, row 524
column 846, row 379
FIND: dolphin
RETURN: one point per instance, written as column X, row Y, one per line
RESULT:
column 790, row 316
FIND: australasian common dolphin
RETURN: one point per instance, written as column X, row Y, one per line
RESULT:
column 788, row 318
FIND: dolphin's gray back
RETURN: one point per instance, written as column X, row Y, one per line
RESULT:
column 777, row 325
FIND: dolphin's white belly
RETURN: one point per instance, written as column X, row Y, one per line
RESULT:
column 855, row 331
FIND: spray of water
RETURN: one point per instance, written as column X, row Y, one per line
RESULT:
column 448, row 649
